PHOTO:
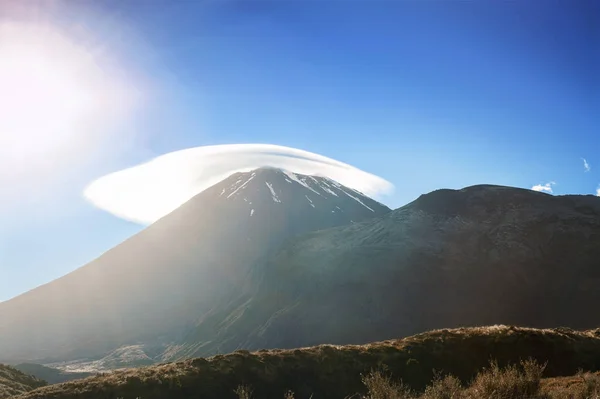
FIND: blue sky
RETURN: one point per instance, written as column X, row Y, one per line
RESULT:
column 426, row 94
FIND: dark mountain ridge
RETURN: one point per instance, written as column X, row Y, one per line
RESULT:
column 151, row 286
column 481, row 255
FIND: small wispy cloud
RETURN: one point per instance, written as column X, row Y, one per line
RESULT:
column 147, row 192
column 544, row 187
column 598, row 191
column 586, row 165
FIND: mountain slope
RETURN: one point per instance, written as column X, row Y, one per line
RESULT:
column 153, row 284
column 480, row 255
column 335, row 371
column 14, row 382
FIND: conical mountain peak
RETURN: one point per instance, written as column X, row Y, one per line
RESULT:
column 279, row 184
column 166, row 276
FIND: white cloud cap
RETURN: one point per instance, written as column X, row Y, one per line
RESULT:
column 149, row 191
column 544, row 187
column 598, row 192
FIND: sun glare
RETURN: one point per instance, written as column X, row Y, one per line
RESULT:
column 52, row 91
column 42, row 99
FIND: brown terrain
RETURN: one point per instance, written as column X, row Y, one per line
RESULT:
column 337, row 371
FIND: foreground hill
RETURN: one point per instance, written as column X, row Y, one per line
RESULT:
column 477, row 256
column 49, row 374
column 148, row 288
column 335, row 371
column 15, row 382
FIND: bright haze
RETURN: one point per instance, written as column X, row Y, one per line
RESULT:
column 113, row 113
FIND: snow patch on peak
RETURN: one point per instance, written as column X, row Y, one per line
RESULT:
column 358, row 200
column 273, row 194
column 356, row 191
column 295, row 178
column 335, row 183
column 309, row 200
column 240, row 187
column 328, row 190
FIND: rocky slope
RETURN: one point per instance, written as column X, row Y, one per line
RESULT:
column 147, row 289
column 480, row 255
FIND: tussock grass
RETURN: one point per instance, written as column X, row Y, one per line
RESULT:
column 422, row 363
column 511, row 382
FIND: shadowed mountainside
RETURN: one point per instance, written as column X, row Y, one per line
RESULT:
column 477, row 256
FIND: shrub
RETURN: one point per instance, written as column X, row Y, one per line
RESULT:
column 243, row 392
column 381, row 386
column 509, row 382
column 448, row 387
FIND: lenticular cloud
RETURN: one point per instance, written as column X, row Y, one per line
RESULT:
column 149, row 191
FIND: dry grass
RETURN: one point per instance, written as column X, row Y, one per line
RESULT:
column 444, row 387
column 381, row 386
column 511, row 382
column 339, row 371
column 243, row 392
column 14, row 382
column 582, row 386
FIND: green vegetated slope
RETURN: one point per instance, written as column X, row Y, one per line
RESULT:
column 327, row 371
column 15, row 382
